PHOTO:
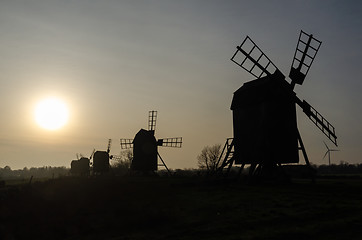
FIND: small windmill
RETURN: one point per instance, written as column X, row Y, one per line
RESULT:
column 101, row 160
column 329, row 153
column 264, row 110
column 81, row 166
column 145, row 146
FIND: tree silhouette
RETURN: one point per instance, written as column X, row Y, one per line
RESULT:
column 123, row 162
column 208, row 158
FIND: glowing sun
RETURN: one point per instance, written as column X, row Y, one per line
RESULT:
column 51, row 113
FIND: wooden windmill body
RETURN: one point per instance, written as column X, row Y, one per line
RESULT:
column 144, row 151
column 101, row 160
column 264, row 117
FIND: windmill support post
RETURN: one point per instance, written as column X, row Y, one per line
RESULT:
column 228, row 157
column 222, row 152
column 312, row 171
column 303, row 149
column 163, row 163
column 227, row 154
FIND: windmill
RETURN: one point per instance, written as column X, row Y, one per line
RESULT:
column 329, row 153
column 81, row 166
column 264, row 110
column 145, row 146
column 101, row 160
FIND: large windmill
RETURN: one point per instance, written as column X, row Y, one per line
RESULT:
column 264, row 110
column 145, row 146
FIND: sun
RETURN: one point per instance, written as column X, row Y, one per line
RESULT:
column 51, row 113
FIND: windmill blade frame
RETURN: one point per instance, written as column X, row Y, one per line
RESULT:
column 304, row 55
column 254, row 60
column 170, row 142
column 152, row 117
column 126, row 143
column 322, row 123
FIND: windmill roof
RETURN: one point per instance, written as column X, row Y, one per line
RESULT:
column 144, row 134
column 260, row 90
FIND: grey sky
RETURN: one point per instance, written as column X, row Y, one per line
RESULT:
column 113, row 61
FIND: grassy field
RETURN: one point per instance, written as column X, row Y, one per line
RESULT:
column 181, row 208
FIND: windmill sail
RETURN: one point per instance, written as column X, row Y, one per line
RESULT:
column 152, row 117
column 318, row 120
column 253, row 59
column 170, row 142
column 304, row 55
column 126, row 143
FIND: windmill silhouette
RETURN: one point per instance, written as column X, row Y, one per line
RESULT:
column 81, row 166
column 264, row 110
column 328, row 152
column 145, row 147
column 101, row 160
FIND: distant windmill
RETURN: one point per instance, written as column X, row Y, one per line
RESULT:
column 145, row 152
column 264, row 110
column 101, row 160
column 81, row 166
column 329, row 153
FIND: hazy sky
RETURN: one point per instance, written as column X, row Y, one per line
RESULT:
column 113, row 61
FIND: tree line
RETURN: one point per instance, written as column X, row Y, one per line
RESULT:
column 207, row 161
column 40, row 172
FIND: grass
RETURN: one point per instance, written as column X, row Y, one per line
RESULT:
column 182, row 208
